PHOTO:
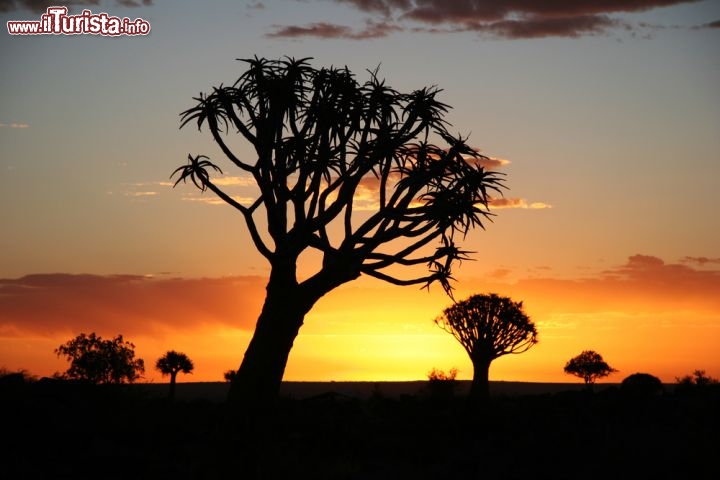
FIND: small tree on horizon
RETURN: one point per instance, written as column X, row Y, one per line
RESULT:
column 323, row 143
column 101, row 361
column 589, row 366
column 488, row 326
column 229, row 375
column 171, row 364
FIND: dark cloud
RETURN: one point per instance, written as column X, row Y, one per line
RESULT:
column 702, row 261
column 715, row 24
column 133, row 3
column 129, row 304
column 41, row 6
column 329, row 30
column 384, row 7
column 515, row 19
column 550, row 27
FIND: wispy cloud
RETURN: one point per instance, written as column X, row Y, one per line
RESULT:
column 517, row 203
column 702, row 261
column 41, row 6
column 510, row 19
column 371, row 30
column 213, row 200
column 234, row 181
column 14, row 125
column 142, row 190
column 715, row 24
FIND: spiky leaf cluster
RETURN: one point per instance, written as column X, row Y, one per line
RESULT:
column 489, row 326
column 320, row 139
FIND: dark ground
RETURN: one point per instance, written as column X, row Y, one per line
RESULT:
column 55, row 430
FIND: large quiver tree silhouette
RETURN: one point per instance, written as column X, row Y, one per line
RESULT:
column 320, row 139
column 488, row 326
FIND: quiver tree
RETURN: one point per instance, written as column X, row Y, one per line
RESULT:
column 322, row 141
column 171, row 364
column 589, row 366
column 488, row 326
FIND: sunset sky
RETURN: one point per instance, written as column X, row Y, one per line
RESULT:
column 605, row 116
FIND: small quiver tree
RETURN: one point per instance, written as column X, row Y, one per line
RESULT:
column 171, row 364
column 488, row 326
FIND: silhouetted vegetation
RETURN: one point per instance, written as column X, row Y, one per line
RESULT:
column 97, row 361
column 589, row 366
column 320, row 137
column 641, row 385
column 488, row 326
column 171, row 364
column 126, row 433
column 442, row 385
column 698, row 381
column 230, row 375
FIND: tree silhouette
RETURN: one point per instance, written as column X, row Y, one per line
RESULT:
column 344, row 169
column 101, row 361
column 641, row 385
column 229, row 375
column 488, row 326
column 589, row 366
column 171, row 364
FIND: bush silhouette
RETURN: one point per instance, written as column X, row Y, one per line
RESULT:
column 442, row 385
column 641, row 385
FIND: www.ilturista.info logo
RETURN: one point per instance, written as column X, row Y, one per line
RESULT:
column 57, row 22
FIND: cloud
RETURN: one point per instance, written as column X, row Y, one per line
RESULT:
column 14, row 125
column 133, row 3
column 715, row 24
column 41, row 6
column 512, row 19
column 702, row 261
column 51, row 304
column 517, row 203
column 211, row 199
column 330, row 30
column 491, row 163
column 234, row 181
column 644, row 286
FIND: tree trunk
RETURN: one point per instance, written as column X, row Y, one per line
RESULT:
column 480, row 387
column 256, row 386
column 171, row 395
column 257, row 383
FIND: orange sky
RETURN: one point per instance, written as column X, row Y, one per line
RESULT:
column 644, row 315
